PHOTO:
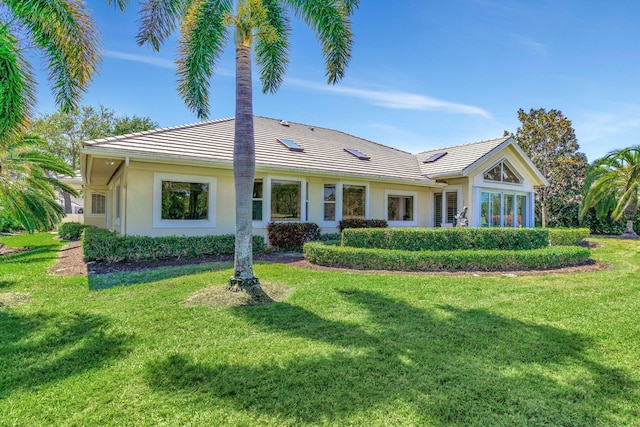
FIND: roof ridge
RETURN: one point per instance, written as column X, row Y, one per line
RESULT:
column 339, row 131
column 156, row 131
column 503, row 138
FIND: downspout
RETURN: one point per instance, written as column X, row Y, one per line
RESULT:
column 124, row 211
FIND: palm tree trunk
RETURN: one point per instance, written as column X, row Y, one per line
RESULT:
column 244, row 164
column 630, row 214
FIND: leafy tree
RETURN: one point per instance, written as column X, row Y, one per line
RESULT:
column 263, row 25
column 64, row 32
column 27, row 187
column 613, row 186
column 66, row 131
column 549, row 140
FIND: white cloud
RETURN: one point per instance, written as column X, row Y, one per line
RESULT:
column 393, row 99
column 156, row 62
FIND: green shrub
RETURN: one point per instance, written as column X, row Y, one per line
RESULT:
column 458, row 260
column 443, row 239
column 361, row 223
column 292, row 235
column 105, row 246
column 70, row 230
column 567, row 236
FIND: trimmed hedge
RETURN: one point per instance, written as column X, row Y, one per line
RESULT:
column 568, row 236
column 292, row 235
column 361, row 223
column 455, row 260
column 105, row 246
column 70, row 230
column 444, row 239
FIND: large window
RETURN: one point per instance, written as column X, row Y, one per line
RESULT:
column 329, row 202
column 98, row 204
column 452, row 207
column 257, row 201
column 354, row 201
column 400, row 208
column 185, row 200
column 503, row 210
column 286, row 197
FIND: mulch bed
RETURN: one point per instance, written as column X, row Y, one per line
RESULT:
column 71, row 263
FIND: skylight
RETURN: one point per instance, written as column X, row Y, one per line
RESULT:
column 291, row 145
column 357, row 153
column 435, row 157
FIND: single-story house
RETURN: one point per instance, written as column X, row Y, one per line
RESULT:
column 179, row 180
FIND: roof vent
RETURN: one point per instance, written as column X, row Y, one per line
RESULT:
column 357, row 153
column 284, row 123
column 435, row 157
column 291, row 145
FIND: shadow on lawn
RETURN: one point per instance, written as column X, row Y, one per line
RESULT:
column 444, row 366
column 126, row 278
column 41, row 348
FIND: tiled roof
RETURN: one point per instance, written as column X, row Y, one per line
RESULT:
column 323, row 148
column 457, row 159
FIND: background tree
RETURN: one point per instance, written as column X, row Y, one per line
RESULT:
column 28, row 186
column 612, row 187
column 66, row 131
column 549, row 140
column 261, row 25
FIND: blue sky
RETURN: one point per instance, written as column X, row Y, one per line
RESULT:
column 424, row 74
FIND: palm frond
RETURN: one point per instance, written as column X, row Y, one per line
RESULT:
column 17, row 87
column 204, row 35
column 64, row 30
column 272, row 46
column 120, row 4
column 158, row 19
column 330, row 21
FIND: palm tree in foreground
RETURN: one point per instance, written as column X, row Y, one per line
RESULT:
column 613, row 185
column 27, row 185
column 261, row 25
column 64, row 32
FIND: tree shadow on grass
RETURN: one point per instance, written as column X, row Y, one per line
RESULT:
column 127, row 278
column 41, row 348
column 446, row 366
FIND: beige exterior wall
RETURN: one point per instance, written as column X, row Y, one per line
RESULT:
column 139, row 197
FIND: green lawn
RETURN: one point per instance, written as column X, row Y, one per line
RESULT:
column 343, row 349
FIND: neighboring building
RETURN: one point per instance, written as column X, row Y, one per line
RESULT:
column 179, row 180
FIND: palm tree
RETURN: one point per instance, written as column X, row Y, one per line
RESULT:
column 613, row 185
column 64, row 32
column 27, row 187
column 263, row 25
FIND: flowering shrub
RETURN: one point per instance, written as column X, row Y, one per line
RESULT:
column 362, row 223
column 292, row 235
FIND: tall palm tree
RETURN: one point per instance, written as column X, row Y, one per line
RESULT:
column 27, row 185
column 261, row 25
column 64, row 32
column 613, row 185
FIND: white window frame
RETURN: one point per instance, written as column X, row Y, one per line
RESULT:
column 91, row 213
column 266, row 199
column 336, row 203
column 339, row 192
column 260, row 223
column 403, row 193
column 443, row 208
column 158, row 222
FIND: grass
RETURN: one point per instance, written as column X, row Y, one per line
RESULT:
column 343, row 349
